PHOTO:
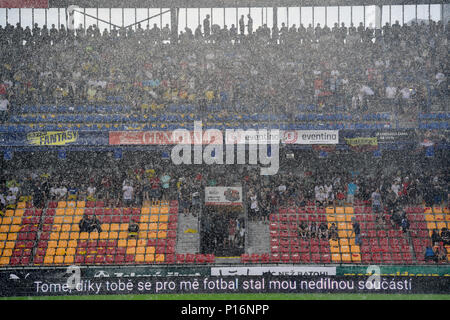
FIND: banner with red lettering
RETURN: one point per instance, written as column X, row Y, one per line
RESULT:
column 43, row 4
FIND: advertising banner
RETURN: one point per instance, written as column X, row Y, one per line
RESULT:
column 273, row 270
column 361, row 141
column 226, row 196
column 311, row 137
column 52, row 138
column 75, row 283
column 24, row 4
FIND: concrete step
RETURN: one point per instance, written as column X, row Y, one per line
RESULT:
column 258, row 238
column 188, row 237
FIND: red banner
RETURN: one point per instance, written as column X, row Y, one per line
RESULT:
column 43, row 4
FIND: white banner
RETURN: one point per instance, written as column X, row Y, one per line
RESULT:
column 278, row 271
column 311, row 137
column 229, row 196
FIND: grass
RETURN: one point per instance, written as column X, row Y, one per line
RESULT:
column 317, row 296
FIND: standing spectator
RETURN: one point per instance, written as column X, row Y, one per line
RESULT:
column 376, row 201
column 435, row 238
column 356, row 231
column 206, row 28
column 241, row 26
column 250, row 25
column 127, row 194
column 333, row 232
column 4, row 110
column 352, row 189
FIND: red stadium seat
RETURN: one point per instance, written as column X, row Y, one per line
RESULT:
column 180, row 258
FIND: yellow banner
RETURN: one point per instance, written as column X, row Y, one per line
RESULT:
column 354, row 142
column 52, row 138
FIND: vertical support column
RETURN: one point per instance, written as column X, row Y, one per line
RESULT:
column 275, row 16
column 378, row 14
column 446, row 14
column 313, row 25
column 403, row 14
column 174, row 24
column 339, row 15
column 326, row 16
column 300, row 14
column 46, row 11
column 351, row 14
column 364, row 16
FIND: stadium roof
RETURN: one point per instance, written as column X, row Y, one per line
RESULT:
column 229, row 3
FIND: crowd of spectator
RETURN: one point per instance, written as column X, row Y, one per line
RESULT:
column 396, row 68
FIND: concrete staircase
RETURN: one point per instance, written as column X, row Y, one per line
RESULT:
column 258, row 238
column 187, row 242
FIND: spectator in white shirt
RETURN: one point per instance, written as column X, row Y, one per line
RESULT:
column 127, row 195
column 391, row 92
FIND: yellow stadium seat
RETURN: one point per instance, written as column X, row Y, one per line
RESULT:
column 12, row 236
column 329, row 210
column 153, row 226
column 72, row 244
column 124, row 227
column 113, row 235
column 79, row 211
column 93, row 235
column 343, row 242
column 342, row 226
column 154, row 218
column 144, row 218
column 163, row 218
column 159, row 258
column 162, row 226
column 19, row 213
column 334, row 243
column 84, row 236
column 4, row 261
column 354, row 249
column 50, row 251
column 4, row 229
column 356, row 257
column 123, row 235
column 104, row 235
column 74, row 235
column 81, row 204
column 64, row 235
column 140, row 258
column 140, row 250
column 346, row 258
column 131, row 243
column 348, row 217
column 143, row 226
column 71, row 204
column 428, row 210
column 447, row 217
column 148, row 258
column 10, row 244
column 152, row 235
column 16, row 220
column 2, row 244
column 154, row 210
column 66, row 227
column 63, row 243
column 61, row 251
column 52, row 244
column 6, row 220
column 437, row 210
column 21, row 205
column 334, row 249
column 345, row 249
column 142, row 235
column 7, row 253
column 441, row 225
column 62, row 204
column 58, row 220
column 114, row 227
column 349, row 210
column 149, row 250
column 340, row 210
column 331, row 218
column 70, row 212
column 164, row 210
column 429, row 217
column 70, row 251
column 105, row 226
column 145, row 211
column 122, row 243
column 439, row 217
column 342, row 233
column 340, row 218
column 76, row 220
column 60, row 211
column 48, row 260
column 15, row 228
column 336, row 257
column 431, row 225
column 68, row 259
column 9, row 213
column 131, row 250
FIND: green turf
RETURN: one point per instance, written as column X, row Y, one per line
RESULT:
column 317, row 296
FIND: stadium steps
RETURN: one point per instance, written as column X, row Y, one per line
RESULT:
column 258, row 237
column 188, row 240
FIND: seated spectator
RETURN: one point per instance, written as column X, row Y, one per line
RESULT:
column 133, row 230
column 356, row 230
column 429, row 254
column 405, row 223
column 333, row 232
column 91, row 192
column 445, row 236
column 340, row 197
column 435, row 238
column 441, row 254
column 95, row 225
column 303, row 230
column 84, row 223
column 323, row 230
column 10, row 200
column 313, row 230
column 321, row 197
